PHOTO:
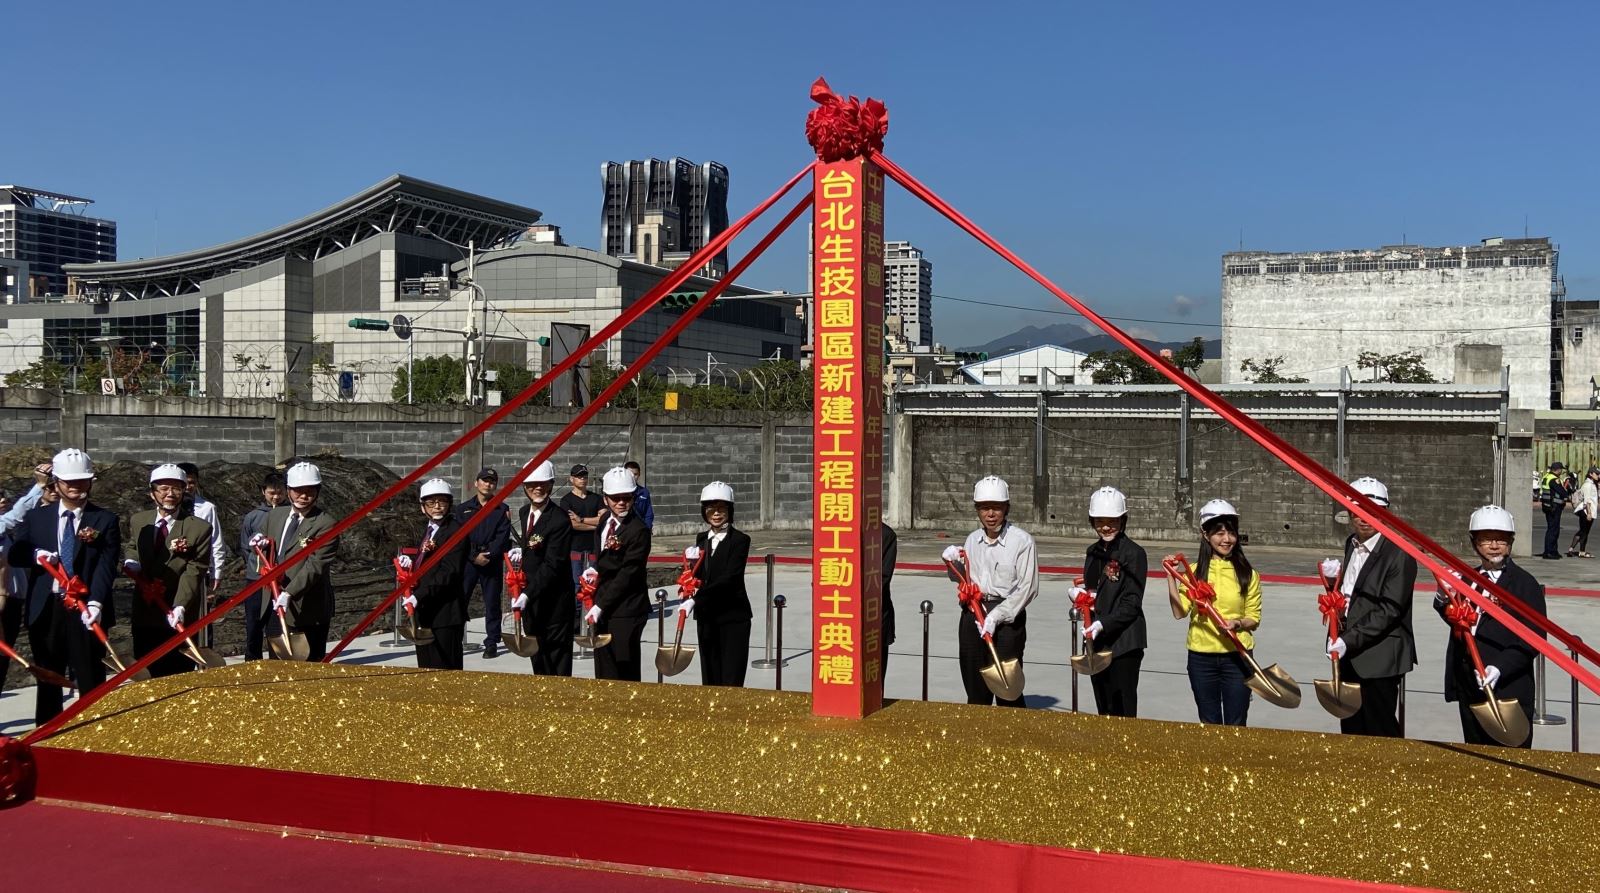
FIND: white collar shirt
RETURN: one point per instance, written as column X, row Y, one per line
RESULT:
column 1004, row 568
column 1358, row 559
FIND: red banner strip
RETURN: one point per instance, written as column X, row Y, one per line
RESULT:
column 1429, row 554
column 674, row 279
column 779, row 850
column 595, row 405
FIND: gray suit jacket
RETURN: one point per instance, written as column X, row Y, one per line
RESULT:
column 1377, row 628
column 308, row 584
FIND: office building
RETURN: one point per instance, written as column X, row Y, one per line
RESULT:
column 40, row 232
column 1321, row 310
column 908, row 291
column 660, row 212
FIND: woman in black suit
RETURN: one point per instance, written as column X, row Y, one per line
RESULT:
column 721, row 607
column 1507, row 659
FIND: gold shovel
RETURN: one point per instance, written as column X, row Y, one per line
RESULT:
column 1342, row 699
column 515, row 641
column 1089, row 662
column 589, row 639
column 45, row 677
column 286, row 645
column 1503, row 718
column 204, row 658
column 674, row 660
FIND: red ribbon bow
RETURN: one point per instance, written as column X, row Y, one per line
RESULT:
column 688, row 583
column 586, row 589
column 1331, row 605
column 16, row 770
column 1200, row 592
column 844, row 128
column 151, row 590
column 1461, row 615
column 72, row 588
column 1084, row 602
column 516, row 579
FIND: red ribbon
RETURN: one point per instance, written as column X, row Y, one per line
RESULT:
column 72, row 588
column 17, row 771
column 1461, row 615
column 688, row 583
column 586, row 589
column 1428, row 553
column 1201, row 592
column 516, row 579
column 1084, row 602
column 1331, row 605
column 844, row 128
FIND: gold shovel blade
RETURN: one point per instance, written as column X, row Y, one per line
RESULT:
column 1004, row 677
column 419, row 635
column 515, row 642
column 210, row 660
column 1503, row 719
column 49, row 677
column 592, row 641
column 1342, row 699
column 1275, row 687
column 674, row 659
column 298, row 647
column 1091, row 662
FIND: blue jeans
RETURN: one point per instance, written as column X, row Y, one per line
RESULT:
column 1219, row 690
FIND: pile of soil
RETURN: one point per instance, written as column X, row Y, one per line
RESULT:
column 362, row 573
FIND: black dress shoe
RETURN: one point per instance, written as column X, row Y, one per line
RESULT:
column 491, row 651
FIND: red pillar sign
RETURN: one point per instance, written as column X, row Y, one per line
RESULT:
column 847, row 426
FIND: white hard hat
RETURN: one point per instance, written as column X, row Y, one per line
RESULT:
column 991, row 489
column 1215, row 509
column 716, row 491
column 1107, row 502
column 168, row 472
column 618, row 481
column 1492, row 517
column 304, row 474
column 1372, row 488
column 545, row 472
column 73, row 464
column 436, row 487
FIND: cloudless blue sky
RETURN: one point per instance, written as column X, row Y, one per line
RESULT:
column 1121, row 148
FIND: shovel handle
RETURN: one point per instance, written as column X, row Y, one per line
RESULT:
column 682, row 616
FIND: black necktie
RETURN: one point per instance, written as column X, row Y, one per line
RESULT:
column 288, row 532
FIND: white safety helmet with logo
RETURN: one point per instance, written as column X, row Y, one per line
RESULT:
column 1217, row 508
column 436, row 487
column 73, row 464
column 168, row 472
column 1492, row 517
column 716, row 491
column 618, row 481
column 545, row 472
column 304, row 474
column 1372, row 488
column 991, row 488
column 1107, row 502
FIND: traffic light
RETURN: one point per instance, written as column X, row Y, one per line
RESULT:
column 370, row 325
column 971, row 356
column 681, row 300
column 543, row 341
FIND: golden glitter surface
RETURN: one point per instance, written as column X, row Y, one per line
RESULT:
column 1405, row 812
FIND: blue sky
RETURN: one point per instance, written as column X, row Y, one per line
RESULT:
column 1121, row 148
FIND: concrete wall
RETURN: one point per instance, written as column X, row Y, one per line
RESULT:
column 1320, row 322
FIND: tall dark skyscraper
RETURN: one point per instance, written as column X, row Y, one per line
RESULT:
column 46, row 230
column 655, row 208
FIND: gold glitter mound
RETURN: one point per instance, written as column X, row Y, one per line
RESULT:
column 1405, row 812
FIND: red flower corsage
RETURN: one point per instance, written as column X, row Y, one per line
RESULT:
column 178, row 546
column 1113, row 570
column 613, row 544
column 535, row 541
column 88, row 535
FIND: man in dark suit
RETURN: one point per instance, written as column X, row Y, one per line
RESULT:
column 621, row 602
column 170, row 558
column 891, row 554
column 485, row 564
column 546, row 601
column 721, row 606
column 1507, row 659
column 437, row 597
column 85, row 540
column 1375, row 645
column 306, row 590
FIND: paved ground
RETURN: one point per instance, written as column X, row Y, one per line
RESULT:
column 1291, row 636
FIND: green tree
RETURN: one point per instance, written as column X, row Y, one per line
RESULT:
column 1122, row 367
column 438, row 379
column 1401, row 368
column 1266, row 371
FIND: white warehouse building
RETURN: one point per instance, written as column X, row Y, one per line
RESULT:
column 1321, row 310
column 1040, row 366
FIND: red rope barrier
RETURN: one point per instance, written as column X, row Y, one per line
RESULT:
column 667, row 285
column 588, row 413
column 1435, row 558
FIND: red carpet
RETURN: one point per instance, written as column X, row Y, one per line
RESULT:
column 68, row 848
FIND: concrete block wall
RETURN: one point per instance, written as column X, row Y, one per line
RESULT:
column 1276, row 505
column 155, row 439
column 600, row 445
column 683, row 459
column 400, row 445
column 791, row 482
column 953, row 452
column 29, row 427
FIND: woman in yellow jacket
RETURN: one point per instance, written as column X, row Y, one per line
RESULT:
column 1216, row 670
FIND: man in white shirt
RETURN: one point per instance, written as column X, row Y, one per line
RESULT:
column 1002, row 562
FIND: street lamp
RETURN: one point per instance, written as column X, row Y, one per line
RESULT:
column 471, row 251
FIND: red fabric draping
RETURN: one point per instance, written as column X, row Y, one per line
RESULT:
column 1429, row 554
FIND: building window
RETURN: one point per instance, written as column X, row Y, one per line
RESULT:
column 1444, row 263
column 1477, row 261
column 1322, row 266
column 1577, row 335
column 1536, row 260
column 1028, row 379
column 1280, row 268
column 1407, row 263
column 1361, row 266
column 1243, row 269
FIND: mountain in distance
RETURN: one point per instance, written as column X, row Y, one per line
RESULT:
column 1075, row 337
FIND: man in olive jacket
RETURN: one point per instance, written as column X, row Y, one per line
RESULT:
column 169, row 555
column 306, row 590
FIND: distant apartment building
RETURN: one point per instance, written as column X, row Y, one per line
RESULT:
column 1321, row 310
column 908, row 292
column 39, row 232
column 660, row 212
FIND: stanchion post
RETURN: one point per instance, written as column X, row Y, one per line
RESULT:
column 778, row 601
column 661, row 625
column 765, row 661
column 1541, row 708
column 1076, row 641
column 927, row 616
column 394, row 634
column 1401, row 707
column 1575, row 693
